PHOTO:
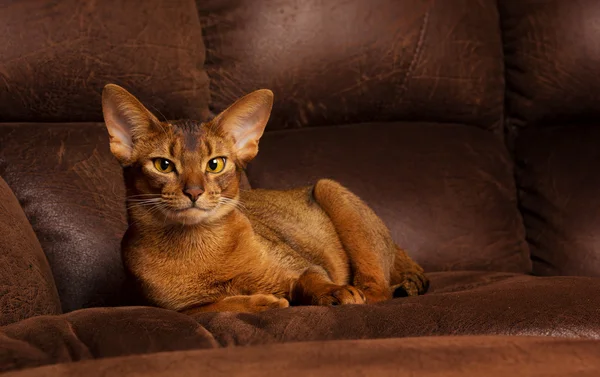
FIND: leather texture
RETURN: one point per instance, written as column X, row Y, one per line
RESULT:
column 26, row 284
column 340, row 61
column 459, row 303
column 558, row 191
column 72, row 191
column 56, row 56
column 446, row 191
column 552, row 52
column 427, row 357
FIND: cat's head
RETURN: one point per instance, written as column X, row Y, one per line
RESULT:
column 183, row 172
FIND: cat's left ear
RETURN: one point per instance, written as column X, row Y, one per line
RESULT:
column 245, row 121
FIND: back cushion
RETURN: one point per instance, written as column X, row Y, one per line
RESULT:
column 553, row 97
column 71, row 189
column 339, row 61
column 552, row 51
column 55, row 57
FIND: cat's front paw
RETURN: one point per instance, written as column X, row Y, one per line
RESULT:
column 412, row 283
column 260, row 302
column 341, row 295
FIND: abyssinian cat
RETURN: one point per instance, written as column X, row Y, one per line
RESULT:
column 196, row 242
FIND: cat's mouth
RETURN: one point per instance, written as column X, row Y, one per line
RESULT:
column 193, row 208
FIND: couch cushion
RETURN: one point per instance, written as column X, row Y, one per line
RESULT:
column 446, row 191
column 459, row 303
column 553, row 91
column 55, row 57
column 559, row 186
column 71, row 189
column 26, row 284
column 552, row 52
column 98, row 333
column 339, row 61
column 432, row 356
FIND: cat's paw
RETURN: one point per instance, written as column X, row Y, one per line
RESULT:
column 413, row 283
column 341, row 295
column 260, row 302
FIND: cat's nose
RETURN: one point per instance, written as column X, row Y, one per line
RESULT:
column 193, row 193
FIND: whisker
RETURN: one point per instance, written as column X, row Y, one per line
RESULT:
column 150, row 200
column 232, row 203
column 151, row 209
column 144, row 201
column 147, row 205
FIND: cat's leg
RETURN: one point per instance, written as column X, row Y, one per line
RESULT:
column 408, row 278
column 366, row 239
column 314, row 287
column 243, row 304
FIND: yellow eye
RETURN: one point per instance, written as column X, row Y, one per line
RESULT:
column 216, row 165
column 163, row 165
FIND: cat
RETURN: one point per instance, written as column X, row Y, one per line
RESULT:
column 197, row 242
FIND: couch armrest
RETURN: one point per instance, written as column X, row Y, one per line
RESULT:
column 27, row 287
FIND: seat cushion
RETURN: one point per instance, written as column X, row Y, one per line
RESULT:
column 459, row 303
column 54, row 68
column 446, row 191
column 432, row 356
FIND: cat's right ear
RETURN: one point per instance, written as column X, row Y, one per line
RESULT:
column 126, row 120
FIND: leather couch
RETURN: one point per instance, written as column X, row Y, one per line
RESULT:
column 470, row 127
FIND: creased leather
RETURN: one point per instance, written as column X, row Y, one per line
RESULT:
column 56, row 56
column 72, row 191
column 552, row 53
column 559, row 190
column 339, row 61
column 459, row 303
column 27, row 287
column 425, row 357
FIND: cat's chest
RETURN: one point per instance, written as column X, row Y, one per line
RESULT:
column 183, row 260
column 202, row 263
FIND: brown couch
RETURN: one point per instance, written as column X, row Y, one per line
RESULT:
column 470, row 126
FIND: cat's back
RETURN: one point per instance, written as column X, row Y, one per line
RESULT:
column 291, row 207
column 292, row 216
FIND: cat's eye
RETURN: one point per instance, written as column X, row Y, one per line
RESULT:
column 163, row 165
column 216, row 165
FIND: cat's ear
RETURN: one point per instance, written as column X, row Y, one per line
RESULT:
column 245, row 122
column 126, row 120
